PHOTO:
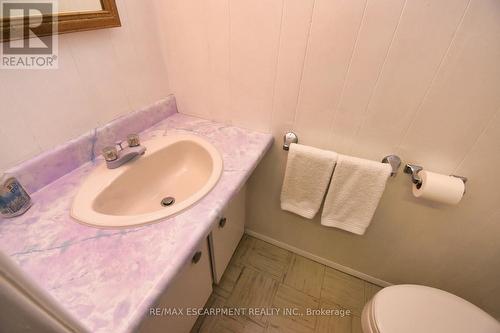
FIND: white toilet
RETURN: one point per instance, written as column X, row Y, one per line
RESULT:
column 420, row 309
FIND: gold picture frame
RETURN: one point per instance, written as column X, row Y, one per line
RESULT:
column 108, row 17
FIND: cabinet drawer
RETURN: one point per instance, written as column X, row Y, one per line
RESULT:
column 227, row 234
column 191, row 288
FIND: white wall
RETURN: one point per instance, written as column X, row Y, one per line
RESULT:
column 102, row 74
column 419, row 78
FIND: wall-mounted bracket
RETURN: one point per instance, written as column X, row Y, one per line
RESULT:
column 288, row 139
column 394, row 161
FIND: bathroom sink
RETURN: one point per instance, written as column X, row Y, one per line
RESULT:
column 175, row 172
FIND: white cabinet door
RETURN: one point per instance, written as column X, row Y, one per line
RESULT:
column 190, row 289
column 227, row 234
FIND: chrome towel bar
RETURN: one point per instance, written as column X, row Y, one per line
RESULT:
column 393, row 160
column 288, row 139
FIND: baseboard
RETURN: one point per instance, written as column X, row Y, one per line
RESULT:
column 319, row 259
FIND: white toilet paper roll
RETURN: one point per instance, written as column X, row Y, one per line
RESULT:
column 441, row 188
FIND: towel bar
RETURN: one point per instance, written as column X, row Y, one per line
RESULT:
column 395, row 163
column 393, row 160
column 288, row 139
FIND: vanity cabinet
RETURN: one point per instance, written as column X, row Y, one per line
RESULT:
column 190, row 289
column 227, row 234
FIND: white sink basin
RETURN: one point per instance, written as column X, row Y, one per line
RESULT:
column 183, row 167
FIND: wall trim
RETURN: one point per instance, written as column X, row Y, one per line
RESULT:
column 319, row 259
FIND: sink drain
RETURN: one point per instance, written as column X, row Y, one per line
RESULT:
column 168, row 201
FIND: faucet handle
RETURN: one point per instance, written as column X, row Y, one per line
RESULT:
column 133, row 140
column 110, row 153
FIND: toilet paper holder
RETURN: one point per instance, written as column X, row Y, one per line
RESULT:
column 413, row 171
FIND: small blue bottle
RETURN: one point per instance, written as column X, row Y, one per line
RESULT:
column 14, row 200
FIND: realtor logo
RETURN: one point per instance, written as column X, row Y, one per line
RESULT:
column 29, row 32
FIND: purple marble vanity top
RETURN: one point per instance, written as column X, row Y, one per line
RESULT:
column 108, row 279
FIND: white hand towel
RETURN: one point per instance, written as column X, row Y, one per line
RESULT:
column 355, row 191
column 308, row 172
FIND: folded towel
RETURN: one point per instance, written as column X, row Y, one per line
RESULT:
column 354, row 193
column 308, row 172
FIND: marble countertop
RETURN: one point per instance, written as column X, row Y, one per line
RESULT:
column 108, row 279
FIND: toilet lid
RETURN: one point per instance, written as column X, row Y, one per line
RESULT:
column 418, row 309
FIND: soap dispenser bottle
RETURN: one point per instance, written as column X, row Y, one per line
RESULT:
column 14, row 200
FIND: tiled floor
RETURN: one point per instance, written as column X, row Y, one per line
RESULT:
column 264, row 276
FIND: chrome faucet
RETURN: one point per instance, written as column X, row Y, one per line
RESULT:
column 117, row 155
